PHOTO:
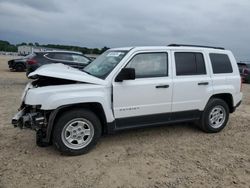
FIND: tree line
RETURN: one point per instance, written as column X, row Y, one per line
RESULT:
column 7, row 47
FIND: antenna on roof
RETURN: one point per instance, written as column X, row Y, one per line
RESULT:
column 187, row 45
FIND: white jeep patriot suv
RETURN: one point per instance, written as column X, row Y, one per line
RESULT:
column 129, row 88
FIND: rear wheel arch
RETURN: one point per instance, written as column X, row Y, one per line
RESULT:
column 227, row 97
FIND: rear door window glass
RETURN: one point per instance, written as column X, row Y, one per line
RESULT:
column 189, row 63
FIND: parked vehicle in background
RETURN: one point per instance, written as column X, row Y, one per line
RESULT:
column 73, row 59
column 128, row 88
column 244, row 68
column 19, row 64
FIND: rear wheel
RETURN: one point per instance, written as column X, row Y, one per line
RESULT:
column 76, row 132
column 215, row 116
column 19, row 68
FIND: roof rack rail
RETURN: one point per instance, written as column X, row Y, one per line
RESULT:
column 187, row 45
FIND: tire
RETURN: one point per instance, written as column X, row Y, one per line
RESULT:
column 217, row 109
column 76, row 132
column 19, row 68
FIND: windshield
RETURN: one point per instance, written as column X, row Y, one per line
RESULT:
column 105, row 63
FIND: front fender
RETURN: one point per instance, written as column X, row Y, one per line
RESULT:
column 53, row 97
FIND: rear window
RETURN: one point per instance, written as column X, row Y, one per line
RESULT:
column 189, row 63
column 220, row 63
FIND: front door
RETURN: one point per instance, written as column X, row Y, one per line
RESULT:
column 147, row 99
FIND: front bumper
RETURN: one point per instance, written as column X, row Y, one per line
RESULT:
column 10, row 64
column 26, row 119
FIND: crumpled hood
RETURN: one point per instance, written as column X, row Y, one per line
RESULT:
column 62, row 71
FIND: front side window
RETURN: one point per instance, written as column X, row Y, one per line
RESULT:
column 105, row 63
column 220, row 63
column 189, row 63
column 149, row 65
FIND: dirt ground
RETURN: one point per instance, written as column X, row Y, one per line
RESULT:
column 168, row 156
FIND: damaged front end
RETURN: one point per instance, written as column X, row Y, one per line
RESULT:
column 30, row 117
column 40, row 97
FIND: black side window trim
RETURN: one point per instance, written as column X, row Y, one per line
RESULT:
column 156, row 76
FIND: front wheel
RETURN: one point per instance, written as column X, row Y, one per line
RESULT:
column 215, row 116
column 76, row 132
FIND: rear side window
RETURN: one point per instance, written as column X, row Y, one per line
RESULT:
column 189, row 63
column 220, row 63
column 60, row 56
column 64, row 57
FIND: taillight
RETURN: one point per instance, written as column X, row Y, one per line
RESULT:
column 245, row 71
column 31, row 61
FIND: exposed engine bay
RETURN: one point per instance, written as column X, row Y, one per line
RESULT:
column 42, row 81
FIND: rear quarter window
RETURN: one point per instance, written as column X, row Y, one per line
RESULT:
column 220, row 63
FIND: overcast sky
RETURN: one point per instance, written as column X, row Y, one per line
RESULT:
column 115, row 23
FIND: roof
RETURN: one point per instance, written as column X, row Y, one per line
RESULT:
column 58, row 51
column 168, row 48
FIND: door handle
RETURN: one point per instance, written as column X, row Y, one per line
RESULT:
column 162, row 86
column 203, row 83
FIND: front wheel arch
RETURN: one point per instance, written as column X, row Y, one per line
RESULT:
column 94, row 107
column 70, row 125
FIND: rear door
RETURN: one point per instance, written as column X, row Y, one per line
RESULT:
column 192, row 82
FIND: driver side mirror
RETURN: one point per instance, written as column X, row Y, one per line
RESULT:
column 125, row 74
